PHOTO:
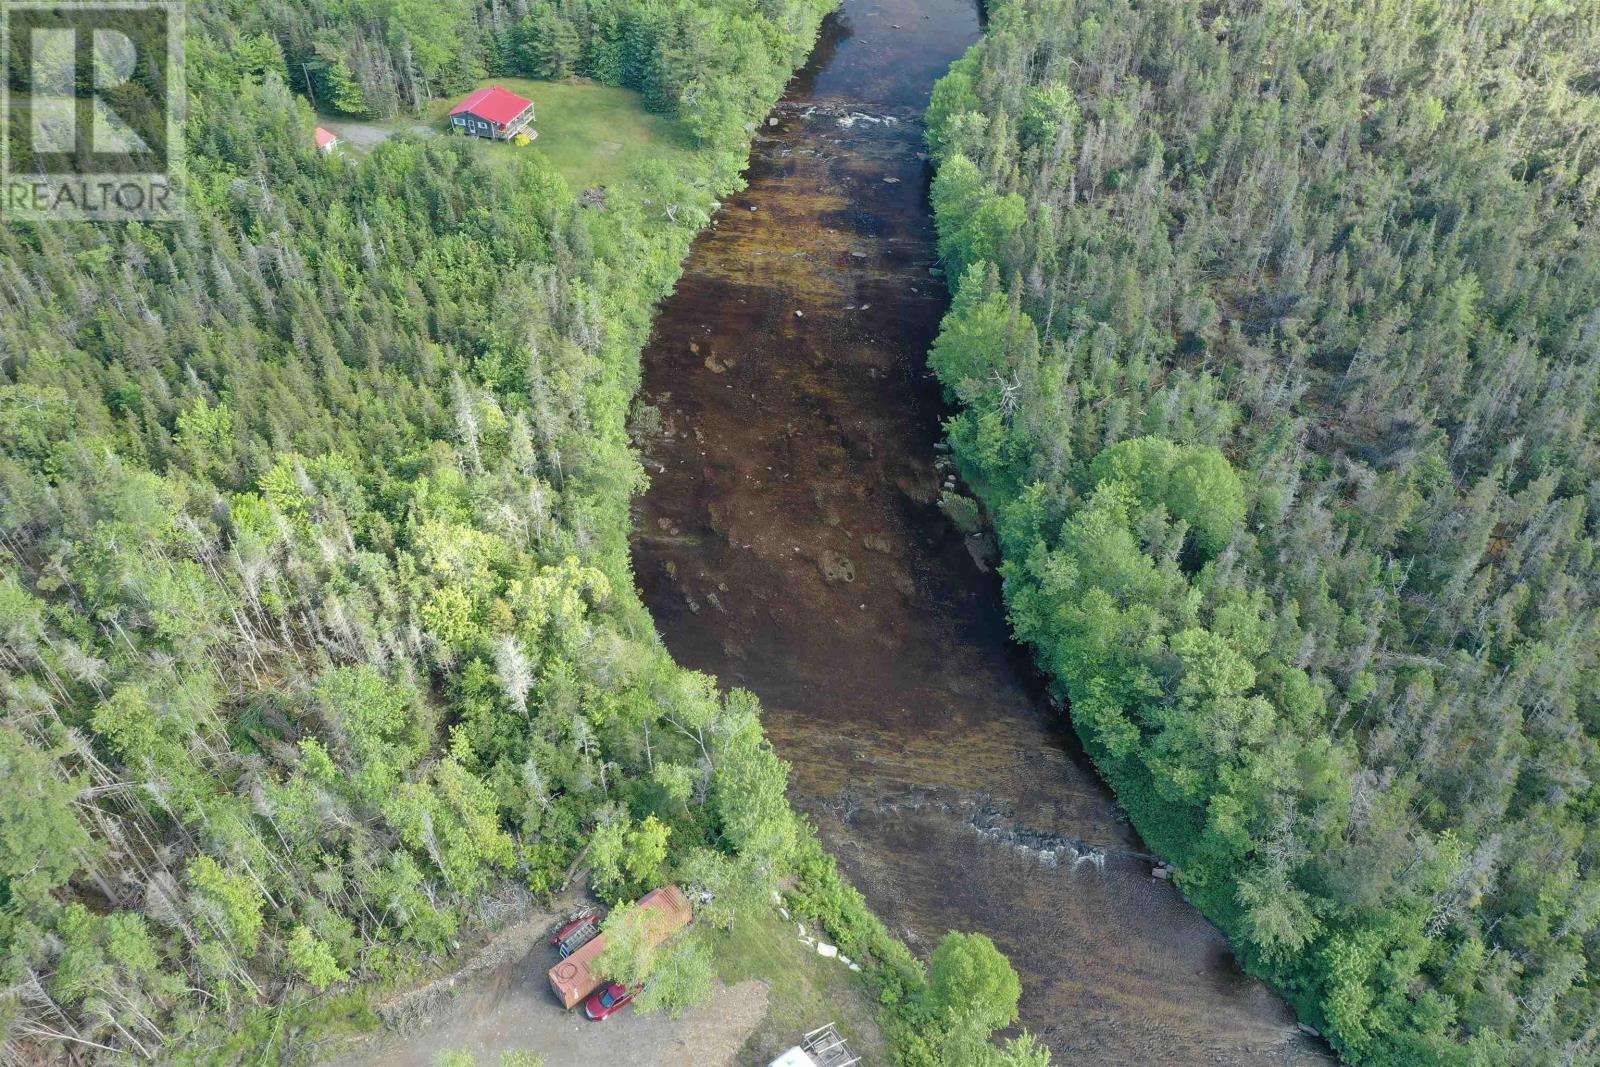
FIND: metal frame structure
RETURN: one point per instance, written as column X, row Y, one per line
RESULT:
column 828, row 1047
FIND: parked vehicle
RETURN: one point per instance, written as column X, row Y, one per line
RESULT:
column 612, row 998
column 577, row 933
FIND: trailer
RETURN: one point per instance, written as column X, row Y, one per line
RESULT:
column 577, row 933
column 574, row 978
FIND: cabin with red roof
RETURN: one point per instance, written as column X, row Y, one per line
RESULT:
column 326, row 140
column 492, row 112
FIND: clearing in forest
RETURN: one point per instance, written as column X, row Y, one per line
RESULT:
column 592, row 134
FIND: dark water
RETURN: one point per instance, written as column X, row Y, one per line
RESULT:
column 790, row 544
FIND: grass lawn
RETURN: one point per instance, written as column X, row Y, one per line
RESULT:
column 592, row 134
column 805, row 990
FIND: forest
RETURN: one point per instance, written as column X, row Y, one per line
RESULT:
column 715, row 65
column 1275, row 357
column 319, row 648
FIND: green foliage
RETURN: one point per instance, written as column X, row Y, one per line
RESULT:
column 736, row 885
column 101, row 954
column 681, row 979
column 823, row 897
column 749, row 793
column 712, row 63
column 232, row 904
column 1204, row 491
column 313, row 960
column 1280, row 394
column 41, row 844
column 1195, row 483
column 627, row 858
column 962, row 511
column 32, row 419
column 953, row 95
column 968, row 1045
column 633, row 944
column 1051, row 114
column 971, row 982
column 1024, row 1050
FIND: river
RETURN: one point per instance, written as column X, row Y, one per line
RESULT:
column 789, row 543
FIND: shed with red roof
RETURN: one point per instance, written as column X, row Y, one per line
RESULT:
column 326, row 140
column 492, row 112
